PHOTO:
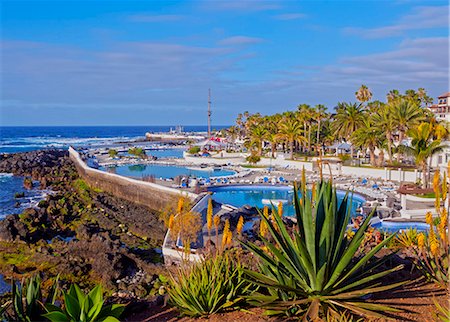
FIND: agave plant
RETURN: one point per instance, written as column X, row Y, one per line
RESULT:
column 84, row 308
column 442, row 313
column 211, row 286
column 27, row 300
column 314, row 272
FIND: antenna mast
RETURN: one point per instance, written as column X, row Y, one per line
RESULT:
column 209, row 112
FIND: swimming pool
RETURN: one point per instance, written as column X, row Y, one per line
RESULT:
column 165, row 171
column 161, row 153
column 259, row 196
column 391, row 226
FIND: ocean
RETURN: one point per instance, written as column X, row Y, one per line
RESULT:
column 26, row 138
column 10, row 185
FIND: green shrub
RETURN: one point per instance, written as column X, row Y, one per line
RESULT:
column 139, row 152
column 27, row 301
column 314, row 271
column 84, row 308
column 253, row 159
column 113, row 153
column 211, row 286
column 344, row 157
column 194, row 150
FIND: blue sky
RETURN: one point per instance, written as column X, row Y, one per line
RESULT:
column 151, row 63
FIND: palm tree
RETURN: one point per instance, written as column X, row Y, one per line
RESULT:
column 422, row 147
column 320, row 114
column 271, row 125
column 349, row 117
column 392, row 95
column 290, row 130
column 363, row 94
column 257, row 135
column 368, row 136
column 233, row 133
column 405, row 114
column 423, row 97
column 305, row 113
column 384, row 120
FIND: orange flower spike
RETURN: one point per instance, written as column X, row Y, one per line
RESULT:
column 180, row 205
column 216, row 221
column 240, row 225
column 229, row 238
column 429, row 218
column 266, row 212
column 171, row 220
column 444, row 188
column 263, row 228
column 303, row 179
column 280, row 208
column 437, row 201
column 209, row 215
column 421, row 240
column 436, row 180
column 434, row 247
column 226, row 231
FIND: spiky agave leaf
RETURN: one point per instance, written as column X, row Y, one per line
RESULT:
column 315, row 266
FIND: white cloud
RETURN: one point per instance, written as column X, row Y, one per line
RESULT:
column 419, row 18
column 290, row 16
column 240, row 40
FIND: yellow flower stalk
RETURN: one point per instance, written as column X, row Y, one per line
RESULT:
column 434, row 247
column 180, row 204
column 444, row 188
column 421, row 240
column 280, row 208
column 313, row 191
column 229, row 238
column 437, row 201
column 429, row 218
column 442, row 228
column 240, row 225
column 266, row 212
column 171, row 219
column 436, row 180
column 263, row 228
column 209, row 215
column 216, row 221
column 226, row 230
column 303, row 179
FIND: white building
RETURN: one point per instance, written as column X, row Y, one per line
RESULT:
column 442, row 108
column 442, row 112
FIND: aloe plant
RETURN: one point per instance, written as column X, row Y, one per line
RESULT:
column 315, row 271
column 441, row 313
column 82, row 307
column 27, row 300
column 211, row 286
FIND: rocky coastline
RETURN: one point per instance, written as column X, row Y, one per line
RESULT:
column 83, row 234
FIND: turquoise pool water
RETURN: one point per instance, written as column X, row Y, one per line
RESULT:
column 390, row 226
column 162, row 153
column 164, row 171
column 259, row 196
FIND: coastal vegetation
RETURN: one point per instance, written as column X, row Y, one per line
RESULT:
column 137, row 152
column 397, row 132
column 113, row 153
column 81, row 234
column 211, row 286
column 194, row 150
column 315, row 269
